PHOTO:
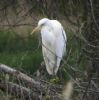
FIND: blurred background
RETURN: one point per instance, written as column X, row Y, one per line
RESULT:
column 80, row 19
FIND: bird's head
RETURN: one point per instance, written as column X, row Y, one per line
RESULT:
column 41, row 23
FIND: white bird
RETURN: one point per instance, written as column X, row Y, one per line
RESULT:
column 53, row 43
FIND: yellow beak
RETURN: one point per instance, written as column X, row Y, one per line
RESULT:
column 35, row 30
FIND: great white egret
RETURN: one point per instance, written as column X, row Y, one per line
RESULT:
column 53, row 43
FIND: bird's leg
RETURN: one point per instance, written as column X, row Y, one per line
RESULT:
column 55, row 78
column 55, row 65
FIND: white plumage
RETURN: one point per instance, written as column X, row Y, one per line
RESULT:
column 53, row 43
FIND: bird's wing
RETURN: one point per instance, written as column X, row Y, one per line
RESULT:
column 60, row 45
column 48, row 48
column 60, row 42
column 54, row 44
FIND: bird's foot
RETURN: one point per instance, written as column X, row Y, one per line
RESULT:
column 54, row 79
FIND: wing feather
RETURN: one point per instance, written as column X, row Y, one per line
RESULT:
column 54, row 44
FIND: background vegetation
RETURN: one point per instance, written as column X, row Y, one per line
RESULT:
column 80, row 20
column 20, row 53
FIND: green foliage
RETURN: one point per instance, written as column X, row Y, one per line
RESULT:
column 20, row 53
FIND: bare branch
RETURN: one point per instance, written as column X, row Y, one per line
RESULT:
column 18, row 90
column 35, row 86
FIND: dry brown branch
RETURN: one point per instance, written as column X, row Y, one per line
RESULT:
column 38, row 87
column 16, row 73
column 17, row 25
column 18, row 90
column 22, row 92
